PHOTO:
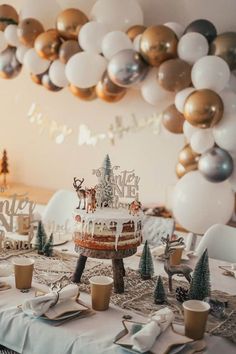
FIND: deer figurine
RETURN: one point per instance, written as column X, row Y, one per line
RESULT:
column 135, row 207
column 90, row 199
column 80, row 192
column 171, row 270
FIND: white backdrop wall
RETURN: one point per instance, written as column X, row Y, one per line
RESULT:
column 36, row 160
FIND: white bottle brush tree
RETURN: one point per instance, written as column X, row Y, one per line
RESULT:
column 106, row 192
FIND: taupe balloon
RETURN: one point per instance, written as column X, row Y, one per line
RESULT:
column 127, row 68
column 68, row 49
column 47, row 44
column 158, row 43
column 188, row 157
column 203, row 108
column 28, row 30
column 47, row 83
column 9, row 65
column 69, row 23
column 173, row 120
column 8, row 16
column 216, row 165
column 134, row 31
column 224, row 46
column 174, row 75
column 87, row 94
column 181, row 170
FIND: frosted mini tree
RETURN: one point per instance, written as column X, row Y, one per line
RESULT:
column 159, row 293
column 41, row 238
column 146, row 268
column 48, row 247
column 200, row 287
column 4, row 168
column 107, row 192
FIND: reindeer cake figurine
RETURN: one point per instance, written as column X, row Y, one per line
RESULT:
column 170, row 269
column 80, row 192
column 90, row 199
column 135, row 207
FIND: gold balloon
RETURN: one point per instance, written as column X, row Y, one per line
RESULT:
column 108, row 91
column 47, row 83
column 134, row 31
column 173, row 120
column 28, row 30
column 174, row 75
column 203, row 108
column 47, row 44
column 86, row 94
column 69, row 23
column 181, row 170
column 224, row 46
column 8, row 16
column 158, row 43
column 67, row 49
column 188, row 157
column 37, row 79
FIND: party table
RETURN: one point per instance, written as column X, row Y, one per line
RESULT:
column 93, row 334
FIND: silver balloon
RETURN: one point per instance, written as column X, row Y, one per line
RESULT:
column 216, row 165
column 127, row 68
column 10, row 67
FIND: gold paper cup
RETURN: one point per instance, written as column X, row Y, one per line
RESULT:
column 195, row 318
column 101, row 287
column 23, row 272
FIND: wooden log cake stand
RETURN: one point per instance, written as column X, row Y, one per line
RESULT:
column 117, row 264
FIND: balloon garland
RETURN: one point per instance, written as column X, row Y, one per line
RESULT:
column 102, row 54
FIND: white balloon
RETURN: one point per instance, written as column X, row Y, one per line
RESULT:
column 20, row 53
column 91, row 36
column 3, row 42
column 154, row 93
column 210, row 72
column 181, row 97
column 192, row 46
column 85, row 69
column 202, row 140
column 189, row 130
column 114, row 42
column 232, row 178
column 83, row 5
column 57, row 74
column 198, row 204
column 176, row 27
column 34, row 64
column 117, row 14
column 229, row 100
column 232, row 82
column 45, row 11
column 10, row 34
column 225, row 132
column 136, row 42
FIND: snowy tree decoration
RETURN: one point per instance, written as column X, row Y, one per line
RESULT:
column 200, row 287
column 146, row 268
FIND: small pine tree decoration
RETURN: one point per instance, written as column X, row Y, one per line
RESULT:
column 4, row 168
column 106, row 182
column 48, row 247
column 146, row 268
column 41, row 238
column 200, row 287
column 159, row 293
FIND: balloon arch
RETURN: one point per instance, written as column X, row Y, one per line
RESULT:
column 104, row 53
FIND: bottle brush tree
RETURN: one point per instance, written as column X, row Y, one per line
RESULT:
column 200, row 286
column 146, row 268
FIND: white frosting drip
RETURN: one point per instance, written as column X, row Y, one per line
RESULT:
column 108, row 218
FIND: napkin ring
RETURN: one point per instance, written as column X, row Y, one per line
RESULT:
column 57, row 298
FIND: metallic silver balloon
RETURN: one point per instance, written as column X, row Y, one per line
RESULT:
column 127, row 68
column 216, row 165
column 9, row 65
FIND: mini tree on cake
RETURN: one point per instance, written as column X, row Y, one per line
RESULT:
column 146, row 268
column 41, row 238
column 48, row 247
column 159, row 292
column 106, row 183
column 200, row 287
column 4, row 168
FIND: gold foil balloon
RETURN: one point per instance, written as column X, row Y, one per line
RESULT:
column 181, row 170
column 8, row 16
column 134, row 31
column 224, row 46
column 67, row 49
column 69, row 23
column 108, row 91
column 203, row 108
column 47, row 44
column 158, row 43
column 174, row 75
column 47, row 83
column 86, row 94
column 173, row 120
column 188, row 157
column 37, row 79
column 9, row 65
column 28, row 30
